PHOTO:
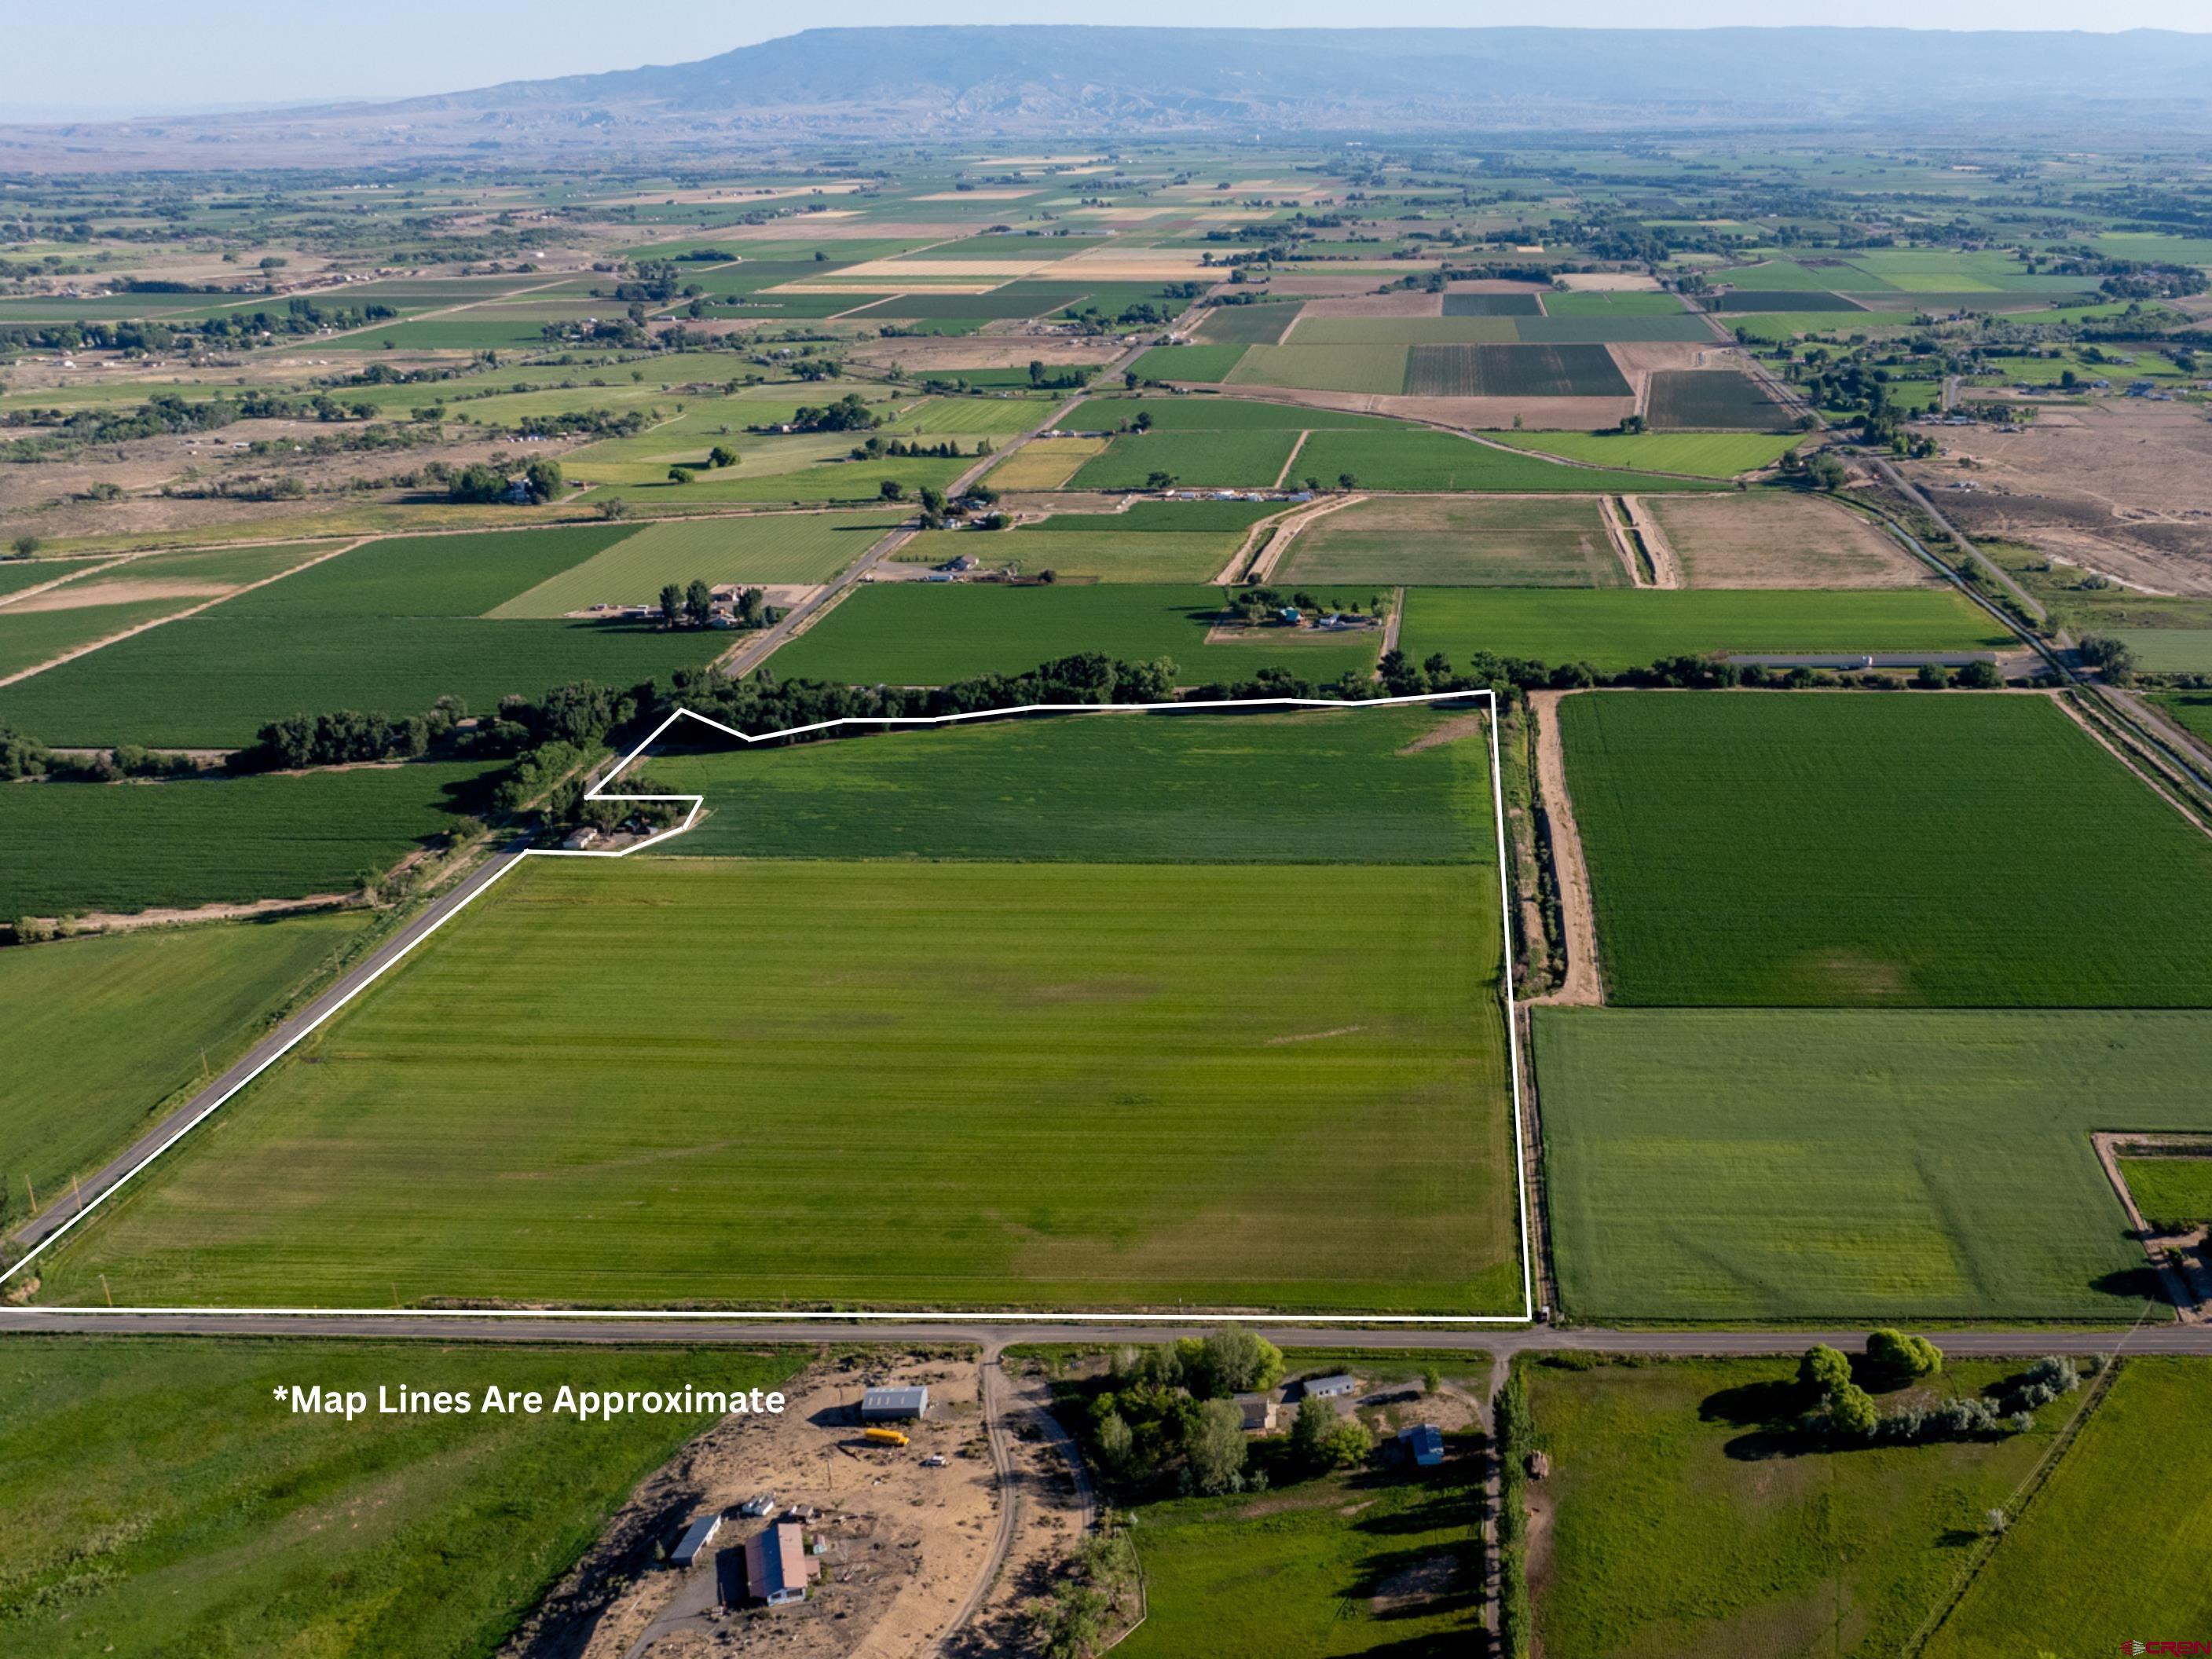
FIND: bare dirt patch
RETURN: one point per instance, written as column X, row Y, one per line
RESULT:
column 2120, row 486
column 1583, row 985
column 1765, row 539
column 1609, row 282
column 84, row 596
column 1051, row 1492
column 904, row 1542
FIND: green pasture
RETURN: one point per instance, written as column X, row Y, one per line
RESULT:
column 1298, row 1574
column 1386, row 331
column 1374, row 367
column 155, row 1499
column 1842, row 1164
column 105, row 1031
column 426, row 575
column 1205, row 413
column 935, row 633
column 1328, row 787
column 28, row 638
column 2110, row 1542
column 2172, row 1192
column 751, row 1082
column 1871, row 847
column 1203, row 363
column 2192, row 710
column 214, row 681
column 1689, row 1513
column 798, row 548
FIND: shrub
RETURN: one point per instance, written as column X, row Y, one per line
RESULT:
column 1895, row 1354
column 1823, row 1371
column 1851, row 1414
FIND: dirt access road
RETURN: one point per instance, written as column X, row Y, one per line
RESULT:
column 1584, row 986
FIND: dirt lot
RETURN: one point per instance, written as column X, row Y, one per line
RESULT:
column 1054, row 1501
column 1584, row 984
column 2119, row 486
column 905, row 1544
column 1780, row 541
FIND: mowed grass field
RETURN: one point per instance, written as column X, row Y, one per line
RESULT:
column 1484, row 541
column 1628, row 629
column 2111, row 1541
column 1415, row 458
column 124, row 847
column 1770, row 849
column 1821, row 1163
column 103, row 1031
column 1686, row 1515
column 155, row 1499
column 934, row 634
column 762, row 1082
column 1328, row 786
column 794, row 548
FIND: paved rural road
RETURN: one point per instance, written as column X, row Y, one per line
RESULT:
column 2163, row 1337
column 58, row 1215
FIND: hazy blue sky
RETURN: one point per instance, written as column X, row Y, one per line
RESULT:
column 55, row 60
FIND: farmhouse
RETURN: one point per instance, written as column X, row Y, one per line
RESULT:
column 696, row 1537
column 777, row 1565
column 893, row 1405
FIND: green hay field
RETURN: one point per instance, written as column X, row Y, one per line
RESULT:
column 160, row 1002
column 1325, row 787
column 1687, row 1517
column 126, row 847
column 1629, row 628
column 1483, row 541
column 1407, row 458
column 801, row 548
column 1200, row 364
column 2120, row 1528
column 2171, row 1192
column 1865, row 848
column 1705, row 455
column 748, row 1083
column 1844, row 1163
column 213, row 680
column 934, row 634
column 155, row 1499
column 1377, row 366
column 1231, row 460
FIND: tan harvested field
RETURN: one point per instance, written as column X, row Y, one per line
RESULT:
column 1400, row 304
column 1044, row 463
column 1640, row 359
column 1320, row 284
column 1609, row 282
column 81, row 596
column 932, row 273
column 1493, row 285
column 1772, row 540
column 931, row 354
column 1488, row 541
column 2120, row 487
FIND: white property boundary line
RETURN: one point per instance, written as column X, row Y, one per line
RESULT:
column 598, row 792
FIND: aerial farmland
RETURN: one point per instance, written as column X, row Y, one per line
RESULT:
column 1163, row 841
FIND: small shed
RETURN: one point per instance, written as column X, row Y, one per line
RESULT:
column 1426, row 1442
column 894, row 1405
column 1260, row 1411
column 1332, row 1388
column 696, row 1537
